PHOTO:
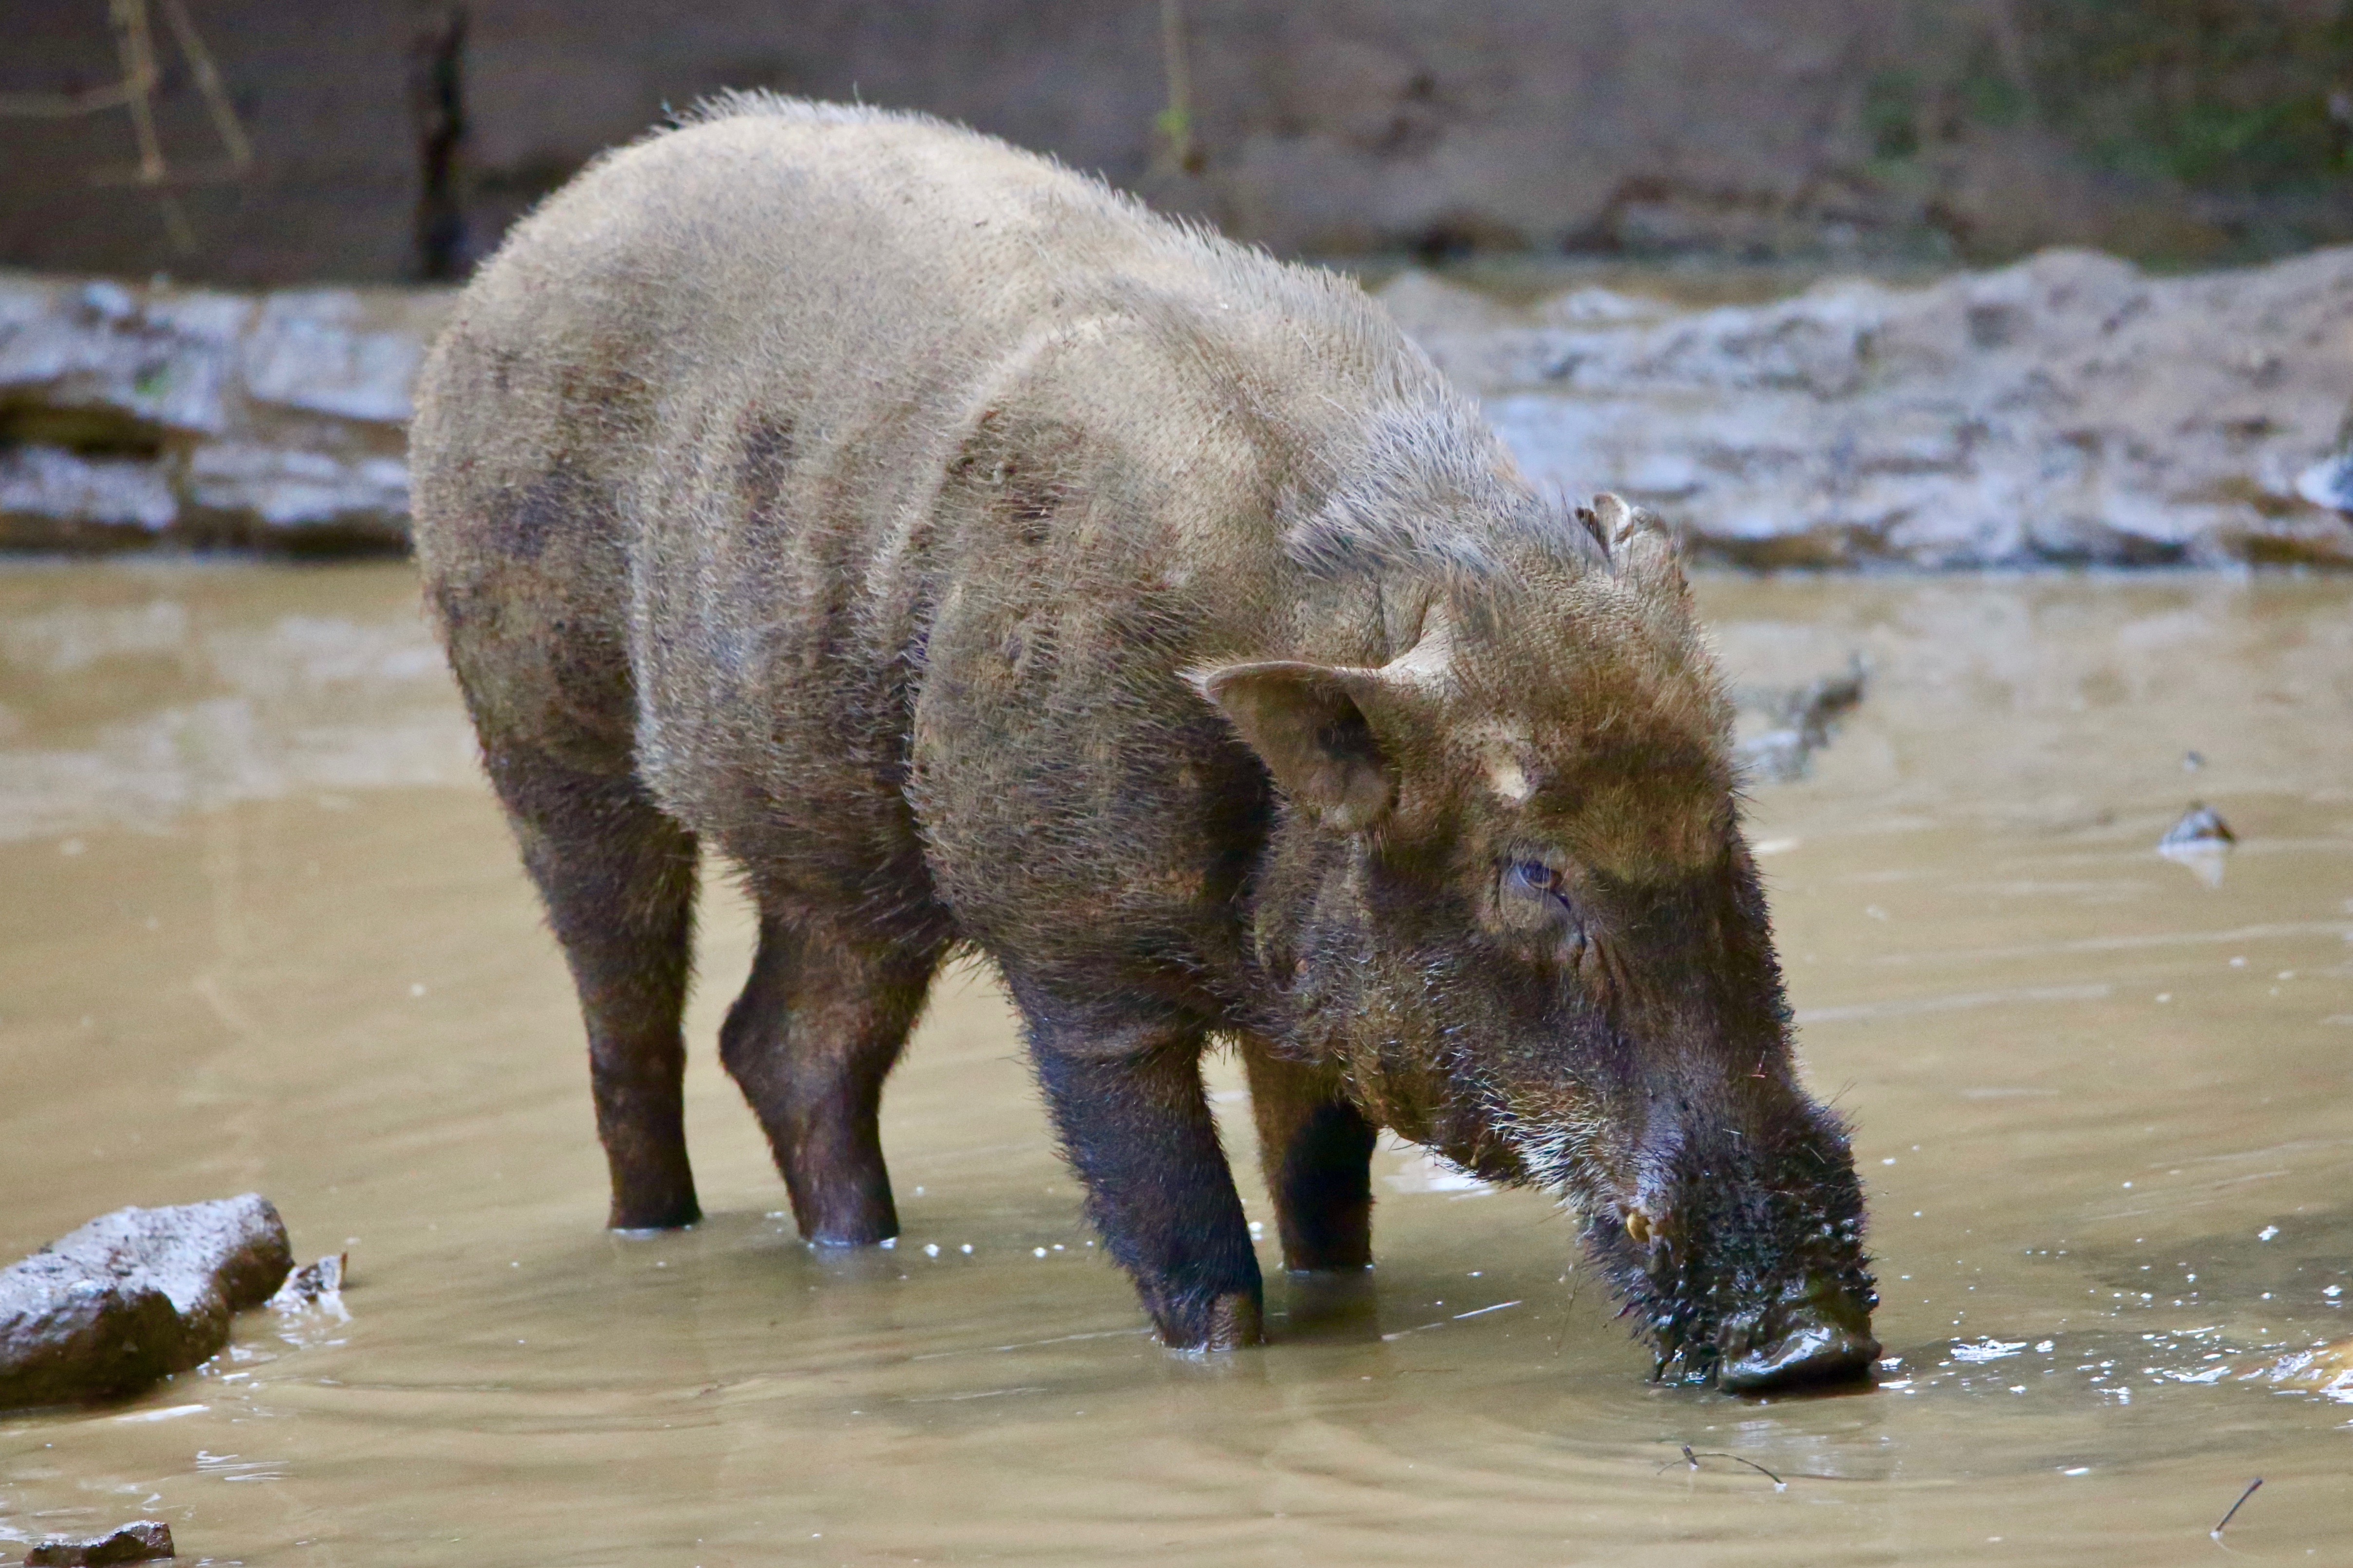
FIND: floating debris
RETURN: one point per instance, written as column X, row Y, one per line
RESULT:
column 1693, row 1460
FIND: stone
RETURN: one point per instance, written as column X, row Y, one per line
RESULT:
column 2068, row 410
column 143, row 1541
column 132, row 1297
column 2200, row 842
column 81, row 497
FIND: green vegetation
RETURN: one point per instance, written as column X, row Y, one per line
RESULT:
column 2241, row 95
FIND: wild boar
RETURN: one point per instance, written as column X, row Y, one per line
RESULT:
column 976, row 561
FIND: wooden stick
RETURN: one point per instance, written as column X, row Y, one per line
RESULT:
column 136, row 46
column 232, row 136
column 2217, row 1531
column 1693, row 1460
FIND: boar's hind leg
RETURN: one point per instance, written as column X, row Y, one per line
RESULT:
column 618, row 878
column 1134, row 1120
column 1316, row 1150
column 810, row 1041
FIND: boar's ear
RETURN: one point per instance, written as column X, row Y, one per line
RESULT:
column 1639, row 543
column 1304, row 723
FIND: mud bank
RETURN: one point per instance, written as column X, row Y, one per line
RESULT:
column 2068, row 410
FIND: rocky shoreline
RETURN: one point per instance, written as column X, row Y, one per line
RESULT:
column 2069, row 410
column 133, row 417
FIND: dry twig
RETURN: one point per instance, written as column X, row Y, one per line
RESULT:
column 1693, row 1460
column 2217, row 1531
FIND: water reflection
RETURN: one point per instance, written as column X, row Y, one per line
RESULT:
column 131, row 694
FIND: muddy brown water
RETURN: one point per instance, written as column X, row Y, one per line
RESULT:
column 261, row 929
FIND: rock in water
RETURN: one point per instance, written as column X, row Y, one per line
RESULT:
column 132, row 1297
column 1803, row 722
column 145, row 1541
column 2200, row 841
column 2202, row 826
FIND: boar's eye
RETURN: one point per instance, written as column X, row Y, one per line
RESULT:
column 1532, row 880
column 1535, row 899
column 1533, row 896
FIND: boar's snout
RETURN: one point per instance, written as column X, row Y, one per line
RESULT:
column 1739, row 1254
column 1820, row 1334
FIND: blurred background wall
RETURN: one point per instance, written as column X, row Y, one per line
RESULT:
column 396, row 138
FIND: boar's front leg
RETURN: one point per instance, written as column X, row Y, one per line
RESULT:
column 1316, row 1151
column 1128, row 1104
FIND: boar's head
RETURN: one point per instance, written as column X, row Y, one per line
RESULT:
column 1508, row 894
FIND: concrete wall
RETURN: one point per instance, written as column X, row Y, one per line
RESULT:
column 2177, row 129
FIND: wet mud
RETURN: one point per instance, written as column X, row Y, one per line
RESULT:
column 260, row 929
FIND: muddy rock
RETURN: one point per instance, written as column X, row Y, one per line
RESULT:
column 143, row 1541
column 132, row 1297
column 2069, row 409
column 137, row 414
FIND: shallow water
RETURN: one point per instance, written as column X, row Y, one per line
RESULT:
column 260, row 929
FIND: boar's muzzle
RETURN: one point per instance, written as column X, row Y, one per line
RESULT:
column 1816, row 1329
column 1743, row 1262
column 1822, row 1334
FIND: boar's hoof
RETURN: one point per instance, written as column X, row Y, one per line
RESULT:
column 649, row 1215
column 1227, row 1323
column 1820, row 1340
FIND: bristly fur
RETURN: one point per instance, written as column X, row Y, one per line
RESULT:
column 975, row 560
column 1427, row 490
